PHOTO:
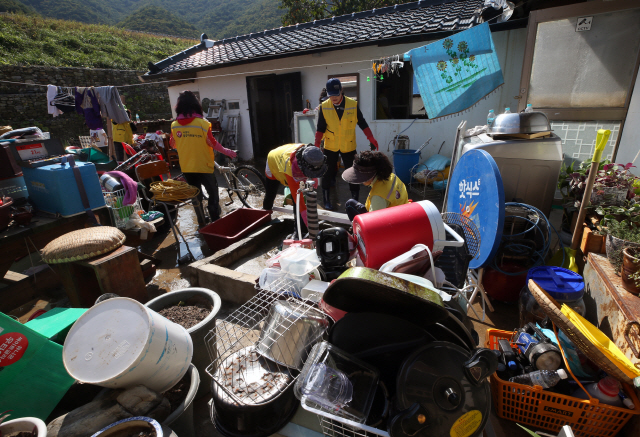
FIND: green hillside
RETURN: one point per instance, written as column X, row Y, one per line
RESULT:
column 15, row 7
column 44, row 41
column 217, row 18
column 155, row 19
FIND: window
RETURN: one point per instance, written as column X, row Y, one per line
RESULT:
column 233, row 106
column 582, row 77
column 397, row 96
column 350, row 84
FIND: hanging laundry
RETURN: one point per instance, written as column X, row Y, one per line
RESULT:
column 110, row 104
column 454, row 73
column 99, row 137
column 52, row 91
column 87, row 104
column 64, row 100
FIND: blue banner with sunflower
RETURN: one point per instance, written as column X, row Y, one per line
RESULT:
column 456, row 72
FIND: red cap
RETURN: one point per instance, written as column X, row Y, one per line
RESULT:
column 609, row 386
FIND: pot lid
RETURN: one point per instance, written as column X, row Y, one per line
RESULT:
column 561, row 284
column 442, row 390
column 476, row 192
column 361, row 289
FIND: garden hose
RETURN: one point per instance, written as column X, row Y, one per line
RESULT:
column 173, row 191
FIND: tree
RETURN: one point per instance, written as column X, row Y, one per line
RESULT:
column 302, row 11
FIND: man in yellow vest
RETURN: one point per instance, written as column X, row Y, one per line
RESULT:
column 337, row 124
column 123, row 133
column 375, row 170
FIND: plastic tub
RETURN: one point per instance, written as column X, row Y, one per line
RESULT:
column 403, row 161
column 301, row 262
column 233, row 227
column 120, row 343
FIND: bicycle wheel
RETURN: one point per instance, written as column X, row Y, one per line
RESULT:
column 251, row 183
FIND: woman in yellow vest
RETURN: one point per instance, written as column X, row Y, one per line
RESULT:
column 123, row 133
column 337, row 124
column 191, row 136
column 374, row 169
column 288, row 165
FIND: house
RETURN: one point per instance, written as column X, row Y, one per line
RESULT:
column 580, row 75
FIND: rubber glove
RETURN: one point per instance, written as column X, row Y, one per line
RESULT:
column 319, row 136
column 370, row 137
column 305, row 110
column 303, row 214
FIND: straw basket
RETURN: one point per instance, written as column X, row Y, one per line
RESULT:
column 82, row 244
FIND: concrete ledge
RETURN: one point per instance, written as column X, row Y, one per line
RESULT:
column 230, row 285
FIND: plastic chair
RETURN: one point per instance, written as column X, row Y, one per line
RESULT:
column 153, row 170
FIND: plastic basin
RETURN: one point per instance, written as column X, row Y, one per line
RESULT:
column 233, row 227
column 403, row 161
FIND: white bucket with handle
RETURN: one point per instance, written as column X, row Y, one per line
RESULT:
column 120, row 343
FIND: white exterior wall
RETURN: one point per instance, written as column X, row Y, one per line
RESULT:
column 230, row 84
column 630, row 140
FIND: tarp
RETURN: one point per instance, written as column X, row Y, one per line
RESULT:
column 454, row 73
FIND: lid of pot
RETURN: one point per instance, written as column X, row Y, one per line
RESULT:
column 561, row 284
column 442, row 391
column 476, row 192
column 361, row 289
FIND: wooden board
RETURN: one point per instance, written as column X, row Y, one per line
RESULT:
column 522, row 136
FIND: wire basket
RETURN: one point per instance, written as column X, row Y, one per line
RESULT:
column 471, row 233
column 239, row 345
column 429, row 187
column 119, row 212
column 334, row 428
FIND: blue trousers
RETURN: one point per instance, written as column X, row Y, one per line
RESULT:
column 354, row 208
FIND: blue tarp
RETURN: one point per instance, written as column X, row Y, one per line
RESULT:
column 454, row 73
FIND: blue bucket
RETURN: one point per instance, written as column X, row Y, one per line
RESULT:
column 403, row 161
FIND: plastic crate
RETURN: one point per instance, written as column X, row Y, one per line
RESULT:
column 233, row 227
column 550, row 411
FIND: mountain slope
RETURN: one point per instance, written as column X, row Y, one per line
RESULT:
column 15, row 7
column 155, row 19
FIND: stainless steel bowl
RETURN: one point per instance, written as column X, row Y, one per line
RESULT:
column 520, row 123
column 289, row 332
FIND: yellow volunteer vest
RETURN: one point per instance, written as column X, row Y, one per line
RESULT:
column 341, row 133
column 393, row 190
column 278, row 161
column 122, row 133
column 191, row 142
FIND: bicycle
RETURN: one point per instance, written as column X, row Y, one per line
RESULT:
column 246, row 182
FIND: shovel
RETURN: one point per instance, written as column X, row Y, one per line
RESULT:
column 570, row 252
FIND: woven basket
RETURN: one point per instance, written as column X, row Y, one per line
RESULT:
column 552, row 309
column 82, row 244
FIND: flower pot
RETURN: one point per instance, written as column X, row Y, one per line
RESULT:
column 614, row 246
column 630, row 265
column 133, row 426
column 201, row 358
column 26, row 424
column 608, row 196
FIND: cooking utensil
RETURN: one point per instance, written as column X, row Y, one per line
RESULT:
column 567, row 259
column 442, row 390
column 520, row 123
column 289, row 331
column 252, row 397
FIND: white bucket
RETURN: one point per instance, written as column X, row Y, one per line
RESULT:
column 120, row 343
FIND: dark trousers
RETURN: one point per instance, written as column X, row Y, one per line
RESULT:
column 332, row 163
column 119, row 151
column 354, row 208
column 271, row 190
column 209, row 182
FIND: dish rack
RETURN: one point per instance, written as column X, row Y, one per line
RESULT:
column 426, row 189
column 335, row 428
column 120, row 213
column 241, row 330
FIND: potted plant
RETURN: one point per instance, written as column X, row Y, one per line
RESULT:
column 630, row 270
column 613, row 185
column 134, row 426
column 620, row 235
column 28, row 425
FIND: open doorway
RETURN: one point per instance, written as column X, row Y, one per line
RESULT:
column 272, row 101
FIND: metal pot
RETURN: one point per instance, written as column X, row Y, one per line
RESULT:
column 520, row 123
column 289, row 332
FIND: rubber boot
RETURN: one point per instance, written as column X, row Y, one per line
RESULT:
column 327, row 199
column 355, row 195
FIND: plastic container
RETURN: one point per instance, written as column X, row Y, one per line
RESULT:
column 529, row 108
column 134, row 426
column 120, row 343
column 327, row 386
column 491, row 117
column 233, row 227
column 562, row 284
column 268, row 277
column 547, row 410
column 543, row 378
column 507, row 111
column 301, row 262
column 606, row 391
column 403, row 161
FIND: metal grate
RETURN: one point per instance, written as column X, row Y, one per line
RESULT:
column 239, row 372
column 334, row 428
column 425, row 187
column 120, row 213
column 471, row 232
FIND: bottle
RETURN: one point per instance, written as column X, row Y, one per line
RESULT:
column 529, row 108
column 543, row 378
column 507, row 110
column 491, row 117
column 626, row 401
column 137, row 118
column 606, row 391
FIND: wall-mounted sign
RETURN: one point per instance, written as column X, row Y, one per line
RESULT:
column 583, row 24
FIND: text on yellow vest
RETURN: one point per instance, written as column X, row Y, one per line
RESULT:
column 392, row 189
column 279, row 161
column 341, row 132
column 122, row 133
column 191, row 142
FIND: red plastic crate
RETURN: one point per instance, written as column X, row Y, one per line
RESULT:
column 233, row 227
